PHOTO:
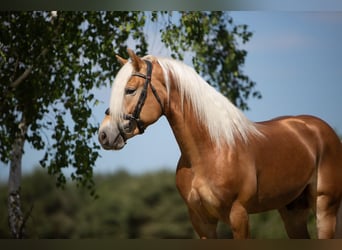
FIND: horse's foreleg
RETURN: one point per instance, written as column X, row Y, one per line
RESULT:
column 238, row 219
column 205, row 227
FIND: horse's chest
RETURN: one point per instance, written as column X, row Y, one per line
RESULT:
column 206, row 195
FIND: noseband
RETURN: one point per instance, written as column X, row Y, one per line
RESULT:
column 135, row 116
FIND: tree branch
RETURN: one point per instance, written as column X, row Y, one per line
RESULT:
column 21, row 78
column 26, row 73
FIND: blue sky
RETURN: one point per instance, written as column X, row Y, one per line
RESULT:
column 294, row 57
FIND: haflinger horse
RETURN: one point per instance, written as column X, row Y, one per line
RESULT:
column 229, row 166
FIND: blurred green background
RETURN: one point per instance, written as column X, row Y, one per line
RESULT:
column 145, row 206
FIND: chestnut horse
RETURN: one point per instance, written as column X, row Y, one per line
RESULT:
column 229, row 166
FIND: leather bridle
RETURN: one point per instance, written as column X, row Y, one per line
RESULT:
column 135, row 116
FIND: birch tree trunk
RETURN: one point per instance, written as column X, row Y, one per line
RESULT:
column 15, row 215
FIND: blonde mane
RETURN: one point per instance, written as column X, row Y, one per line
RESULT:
column 223, row 120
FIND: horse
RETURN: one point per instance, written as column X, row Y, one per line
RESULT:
column 229, row 166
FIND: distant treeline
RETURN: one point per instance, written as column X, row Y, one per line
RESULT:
column 129, row 206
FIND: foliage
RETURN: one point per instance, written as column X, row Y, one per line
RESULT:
column 213, row 38
column 48, row 68
column 144, row 206
column 50, row 63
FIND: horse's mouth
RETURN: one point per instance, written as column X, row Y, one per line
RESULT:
column 118, row 143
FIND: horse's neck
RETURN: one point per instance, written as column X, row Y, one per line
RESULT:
column 191, row 135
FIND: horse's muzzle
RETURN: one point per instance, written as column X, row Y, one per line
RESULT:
column 110, row 137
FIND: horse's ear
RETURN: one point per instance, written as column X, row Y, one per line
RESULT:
column 121, row 60
column 136, row 60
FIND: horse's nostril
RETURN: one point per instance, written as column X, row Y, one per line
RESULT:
column 103, row 136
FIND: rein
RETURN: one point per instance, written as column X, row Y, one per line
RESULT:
column 135, row 116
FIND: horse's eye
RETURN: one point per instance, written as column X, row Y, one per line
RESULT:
column 129, row 91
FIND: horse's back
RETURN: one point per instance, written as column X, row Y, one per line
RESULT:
column 319, row 130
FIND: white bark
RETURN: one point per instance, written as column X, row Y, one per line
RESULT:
column 15, row 215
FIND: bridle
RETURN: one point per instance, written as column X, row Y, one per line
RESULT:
column 135, row 116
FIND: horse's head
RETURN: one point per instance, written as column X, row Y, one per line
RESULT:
column 137, row 100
